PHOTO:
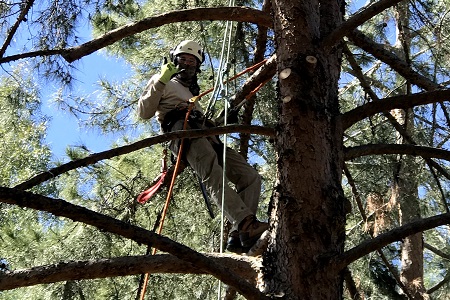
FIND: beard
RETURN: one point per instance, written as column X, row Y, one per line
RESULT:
column 188, row 72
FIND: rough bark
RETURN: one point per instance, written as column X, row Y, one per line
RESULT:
column 244, row 266
column 307, row 213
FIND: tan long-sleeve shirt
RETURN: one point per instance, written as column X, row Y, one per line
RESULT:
column 159, row 98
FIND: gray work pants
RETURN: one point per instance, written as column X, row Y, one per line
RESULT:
column 203, row 159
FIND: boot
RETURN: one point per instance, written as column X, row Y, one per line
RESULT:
column 250, row 230
column 234, row 243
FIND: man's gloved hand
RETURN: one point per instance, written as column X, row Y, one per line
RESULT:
column 167, row 71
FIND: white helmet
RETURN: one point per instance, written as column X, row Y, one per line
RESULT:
column 189, row 47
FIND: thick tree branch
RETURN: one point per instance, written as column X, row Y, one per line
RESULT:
column 12, row 31
column 239, row 14
column 244, row 266
column 356, row 20
column 264, row 73
column 391, row 236
column 351, row 117
column 77, row 213
column 378, row 51
column 260, row 50
column 94, row 158
column 382, row 149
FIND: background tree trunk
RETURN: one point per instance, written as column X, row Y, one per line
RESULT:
column 405, row 188
column 307, row 211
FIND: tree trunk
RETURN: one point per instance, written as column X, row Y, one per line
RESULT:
column 405, row 183
column 307, row 212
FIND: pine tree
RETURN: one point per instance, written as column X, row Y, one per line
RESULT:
column 330, row 111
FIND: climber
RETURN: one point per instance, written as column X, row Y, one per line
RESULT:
column 167, row 95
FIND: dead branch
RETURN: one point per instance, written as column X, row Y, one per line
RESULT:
column 140, row 235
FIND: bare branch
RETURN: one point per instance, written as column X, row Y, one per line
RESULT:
column 77, row 213
column 392, row 120
column 351, row 117
column 356, row 20
column 391, row 236
column 94, row 158
column 239, row 14
column 381, row 149
column 244, row 266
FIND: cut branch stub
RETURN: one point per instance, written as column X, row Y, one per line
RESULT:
column 311, row 60
column 287, row 99
column 285, row 73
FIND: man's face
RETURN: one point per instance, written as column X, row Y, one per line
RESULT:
column 188, row 63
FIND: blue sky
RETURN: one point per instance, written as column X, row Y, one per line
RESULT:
column 63, row 129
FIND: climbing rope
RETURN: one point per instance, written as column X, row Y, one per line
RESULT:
column 224, row 87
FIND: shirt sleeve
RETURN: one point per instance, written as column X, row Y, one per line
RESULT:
column 149, row 100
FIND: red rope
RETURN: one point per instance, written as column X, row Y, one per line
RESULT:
column 169, row 194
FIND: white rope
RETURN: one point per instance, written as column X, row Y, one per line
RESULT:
column 227, row 33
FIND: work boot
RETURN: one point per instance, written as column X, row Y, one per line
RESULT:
column 250, row 230
column 234, row 242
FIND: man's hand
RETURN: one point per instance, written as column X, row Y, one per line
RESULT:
column 167, row 71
